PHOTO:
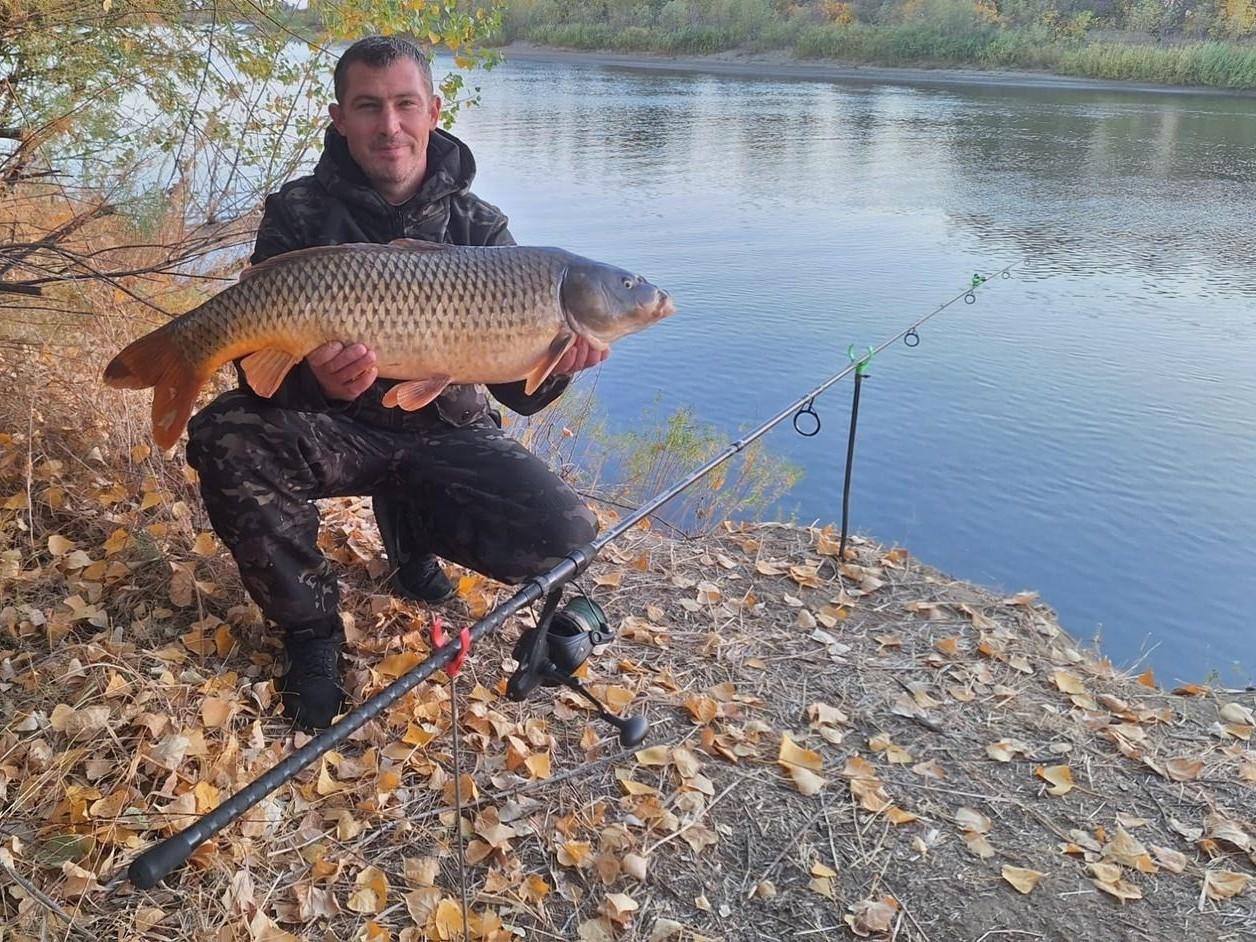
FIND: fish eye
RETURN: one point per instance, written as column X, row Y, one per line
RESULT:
column 628, row 283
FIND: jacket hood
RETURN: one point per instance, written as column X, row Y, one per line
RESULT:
column 450, row 171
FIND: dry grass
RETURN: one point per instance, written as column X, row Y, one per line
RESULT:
column 838, row 748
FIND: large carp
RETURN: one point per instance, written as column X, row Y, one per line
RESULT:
column 434, row 314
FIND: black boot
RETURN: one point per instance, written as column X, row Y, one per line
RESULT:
column 423, row 580
column 416, row 575
column 311, row 690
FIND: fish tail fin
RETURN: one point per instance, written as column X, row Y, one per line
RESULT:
column 156, row 361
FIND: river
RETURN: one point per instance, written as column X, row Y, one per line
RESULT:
column 1086, row 430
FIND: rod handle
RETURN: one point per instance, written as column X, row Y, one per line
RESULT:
column 156, row 863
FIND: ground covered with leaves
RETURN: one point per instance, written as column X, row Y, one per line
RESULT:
column 840, row 748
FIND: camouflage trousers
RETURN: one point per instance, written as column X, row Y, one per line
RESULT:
column 470, row 494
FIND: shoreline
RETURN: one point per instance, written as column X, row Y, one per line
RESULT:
column 782, row 65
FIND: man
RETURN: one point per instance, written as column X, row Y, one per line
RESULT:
column 444, row 479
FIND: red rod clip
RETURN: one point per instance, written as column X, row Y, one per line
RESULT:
column 464, row 646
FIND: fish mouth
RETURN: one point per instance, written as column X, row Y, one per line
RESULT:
column 665, row 307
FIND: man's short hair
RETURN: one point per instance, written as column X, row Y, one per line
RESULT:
column 380, row 52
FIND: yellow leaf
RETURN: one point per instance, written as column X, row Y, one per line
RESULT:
column 869, row 917
column 59, row 545
column 609, row 580
column 805, row 780
column 1183, row 769
column 110, row 806
column 395, row 665
column 948, row 646
column 205, row 544
column 708, row 593
column 899, row 815
column 1024, row 880
column 370, row 893
column 1126, row 849
column 1147, row 679
column 703, row 709
column 1005, row 749
column 215, row 711
column 224, row 641
column 327, row 785
column 618, row 905
column 978, row 844
column 62, row 715
column 931, row 769
column 1190, row 690
column 970, row 819
column 1121, row 889
column 1106, row 872
column 1172, row 860
column 421, row 871
column 574, row 853
column 1238, row 714
column 538, row 764
column 207, row 797
column 1068, row 683
column 806, row 576
column 792, row 754
column 655, row 755
column 417, row 736
column 1059, row 777
column 1223, row 884
column 78, row 881
column 117, row 542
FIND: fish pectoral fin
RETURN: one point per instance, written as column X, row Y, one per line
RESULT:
column 416, row 393
column 265, row 369
column 558, row 346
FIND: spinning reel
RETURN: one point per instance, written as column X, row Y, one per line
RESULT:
column 551, row 653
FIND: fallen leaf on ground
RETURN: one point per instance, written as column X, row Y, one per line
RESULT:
column 1005, row 750
column 1224, row 829
column 1068, row 682
column 1024, row 880
column 1237, row 713
column 869, row 916
column 969, row 819
column 370, row 892
column 1183, row 769
column 1172, row 860
column 1059, row 777
column 1223, row 884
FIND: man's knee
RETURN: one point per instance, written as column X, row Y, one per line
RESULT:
column 571, row 528
column 556, row 535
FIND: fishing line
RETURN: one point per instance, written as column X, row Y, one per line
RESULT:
column 158, row 861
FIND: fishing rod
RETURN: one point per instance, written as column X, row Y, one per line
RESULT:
column 544, row 659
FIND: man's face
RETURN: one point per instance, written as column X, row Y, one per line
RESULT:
column 386, row 115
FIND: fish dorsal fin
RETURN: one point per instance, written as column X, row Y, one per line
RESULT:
column 558, row 346
column 419, row 245
column 297, row 255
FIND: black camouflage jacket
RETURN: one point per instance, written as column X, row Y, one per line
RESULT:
column 335, row 205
